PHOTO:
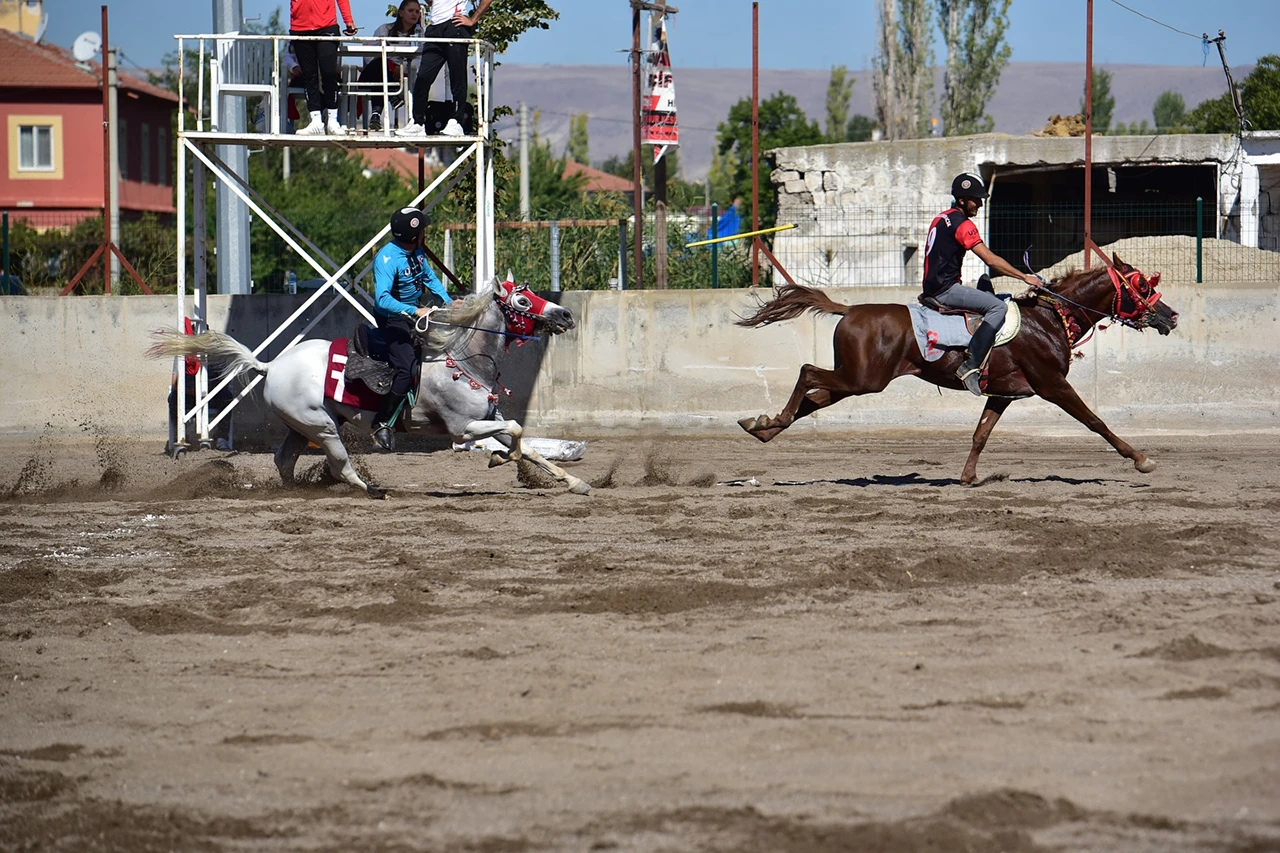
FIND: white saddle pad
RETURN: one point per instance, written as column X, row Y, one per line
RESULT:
column 936, row 332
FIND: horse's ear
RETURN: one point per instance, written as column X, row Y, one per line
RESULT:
column 1119, row 264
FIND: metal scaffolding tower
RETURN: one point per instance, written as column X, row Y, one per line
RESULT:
column 233, row 67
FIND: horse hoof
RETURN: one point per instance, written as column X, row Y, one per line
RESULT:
column 378, row 494
column 581, row 487
column 1146, row 466
column 496, row 459
column 757, row 428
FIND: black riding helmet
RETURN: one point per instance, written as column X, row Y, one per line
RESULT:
column 408, row 222
column 968, row 185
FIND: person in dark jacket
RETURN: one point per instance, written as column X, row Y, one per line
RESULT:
column 951, row 235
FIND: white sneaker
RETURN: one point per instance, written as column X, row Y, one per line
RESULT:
column 453, row 129
column 335, row 129
column 316, row 128
column 412, row 129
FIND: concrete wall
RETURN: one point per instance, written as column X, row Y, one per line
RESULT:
column 850, row 192
column 665, row 361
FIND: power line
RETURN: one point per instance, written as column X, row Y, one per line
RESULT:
column 1155, row 21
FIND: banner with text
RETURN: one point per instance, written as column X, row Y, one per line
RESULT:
column 658, row 111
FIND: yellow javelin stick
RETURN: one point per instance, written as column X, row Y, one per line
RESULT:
column 740, row 236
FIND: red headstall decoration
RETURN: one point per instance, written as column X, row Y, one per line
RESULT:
column 1141, row 293
column 521, row 307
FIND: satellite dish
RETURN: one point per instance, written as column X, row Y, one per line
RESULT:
column 86, row 46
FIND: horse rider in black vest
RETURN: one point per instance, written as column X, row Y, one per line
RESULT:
column 951, row 235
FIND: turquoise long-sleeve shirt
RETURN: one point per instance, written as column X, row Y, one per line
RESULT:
column 401, row 278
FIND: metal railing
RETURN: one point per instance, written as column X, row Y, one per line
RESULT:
column 253, row 66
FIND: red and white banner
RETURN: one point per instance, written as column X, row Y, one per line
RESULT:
column 658, row 106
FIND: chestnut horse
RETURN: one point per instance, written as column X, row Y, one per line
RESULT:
column 875, row 344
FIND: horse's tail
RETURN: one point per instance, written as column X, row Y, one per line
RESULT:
column 792, row 301
column 227, row 351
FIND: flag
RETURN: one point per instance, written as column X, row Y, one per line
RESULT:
column 658, row 110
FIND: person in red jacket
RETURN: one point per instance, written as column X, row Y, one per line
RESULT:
column 318, row 60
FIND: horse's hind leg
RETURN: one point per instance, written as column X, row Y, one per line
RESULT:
column 1060, row 393
column 995, row 408
column 287, row 454
column 816, row 388
column 340, row 462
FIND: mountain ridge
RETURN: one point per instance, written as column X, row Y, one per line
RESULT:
column 1028, row 94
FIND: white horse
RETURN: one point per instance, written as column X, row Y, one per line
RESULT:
column 456, row 396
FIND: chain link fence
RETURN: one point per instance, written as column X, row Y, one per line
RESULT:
column 885, row 246
column 47, row 249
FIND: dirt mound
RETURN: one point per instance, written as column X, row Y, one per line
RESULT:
column 1221, row 260
column 1063, row 126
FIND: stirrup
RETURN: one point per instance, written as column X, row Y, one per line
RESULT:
column 383, row 437
column 971, row 377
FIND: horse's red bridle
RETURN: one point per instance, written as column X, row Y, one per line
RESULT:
column 1141, row 291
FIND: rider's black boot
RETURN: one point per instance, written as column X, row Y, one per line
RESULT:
column 384, row 422
column 970, row 370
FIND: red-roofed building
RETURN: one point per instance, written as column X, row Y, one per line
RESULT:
column 51, row 124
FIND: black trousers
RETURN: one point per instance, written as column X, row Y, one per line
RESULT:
column 434, row 57
column 401, row 354
column 318, row 62
column 372, row 73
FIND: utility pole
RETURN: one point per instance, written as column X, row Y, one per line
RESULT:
column 637, row 172
column 113, row 159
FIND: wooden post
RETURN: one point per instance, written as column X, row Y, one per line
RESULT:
column 1088, row 138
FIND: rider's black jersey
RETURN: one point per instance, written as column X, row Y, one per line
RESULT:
column 951, row 234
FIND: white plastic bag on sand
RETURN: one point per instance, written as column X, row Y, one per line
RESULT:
column 552, row 449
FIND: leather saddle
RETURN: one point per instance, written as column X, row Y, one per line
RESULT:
column 367, row 355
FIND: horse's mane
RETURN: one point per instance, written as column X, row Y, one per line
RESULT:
column 447, row 324
column 1072, row 279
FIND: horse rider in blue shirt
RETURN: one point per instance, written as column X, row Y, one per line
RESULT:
column 401, row 279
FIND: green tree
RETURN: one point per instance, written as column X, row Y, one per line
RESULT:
column 579, row 139
column 507, row 21
column 976, row 54
column 1169, row 111
column 860, row 128
column 681, row 194
column 1104, row 103
column 839, row 96
column 1259, row 96
column 782, row 125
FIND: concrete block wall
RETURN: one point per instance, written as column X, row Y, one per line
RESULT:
column 667, row 361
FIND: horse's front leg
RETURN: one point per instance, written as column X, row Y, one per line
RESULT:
column 509, row 433
column 995, row 408
column 479, row 430
column 1060, row 393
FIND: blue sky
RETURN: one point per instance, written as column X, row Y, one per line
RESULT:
column 813, row 34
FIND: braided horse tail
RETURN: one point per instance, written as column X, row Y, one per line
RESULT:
column 791, row 301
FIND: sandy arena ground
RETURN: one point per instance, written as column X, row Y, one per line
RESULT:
column 857, row 654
